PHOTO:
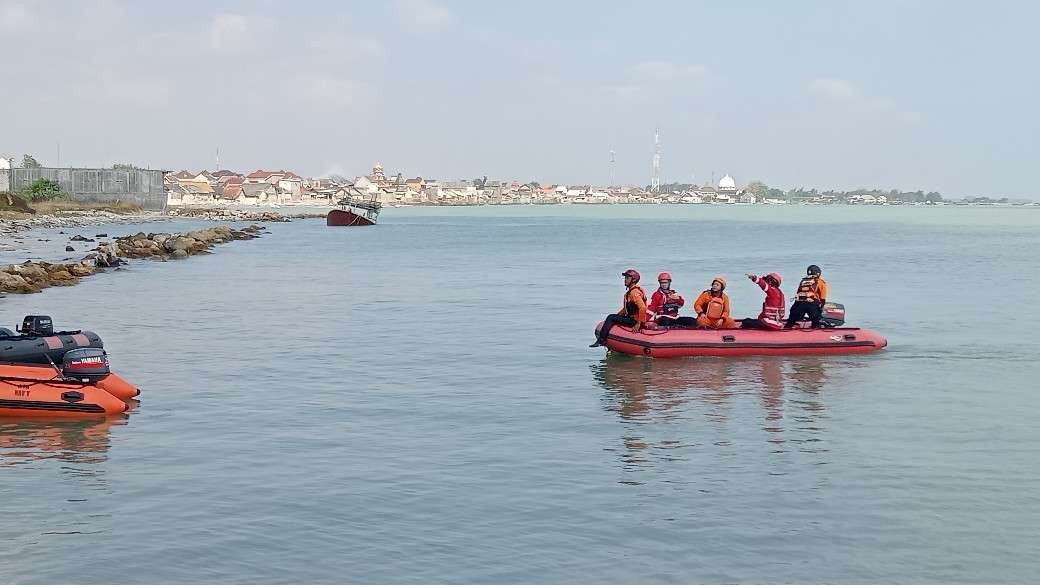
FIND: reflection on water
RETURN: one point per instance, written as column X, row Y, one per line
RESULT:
column 646, row 389
column 73, row 456
column 24, row 441
column 669, row 404
column 639, row 388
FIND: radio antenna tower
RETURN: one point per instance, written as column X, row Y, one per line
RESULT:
column 613, row 164
column 655, row 176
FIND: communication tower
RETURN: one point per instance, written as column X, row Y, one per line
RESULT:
column 613, row 164
column 655, row 175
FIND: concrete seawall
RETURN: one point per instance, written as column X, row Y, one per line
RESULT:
column 141, row 186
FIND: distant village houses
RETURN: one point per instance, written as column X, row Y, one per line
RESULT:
column 285, row 187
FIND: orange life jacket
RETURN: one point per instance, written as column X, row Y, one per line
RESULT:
column 808, row 289
column 716, row 307
column 630, row 307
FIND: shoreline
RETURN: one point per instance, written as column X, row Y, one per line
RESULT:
column 262, row 214
column 189, row 208
column 20, row 222
column 74, row 219
column 15, row 227
column 34, row 276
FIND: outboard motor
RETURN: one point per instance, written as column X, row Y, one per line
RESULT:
column 37, row 326
column 88, row 364
column 833, row 315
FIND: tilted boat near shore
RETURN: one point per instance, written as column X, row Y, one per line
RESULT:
column 355, row 210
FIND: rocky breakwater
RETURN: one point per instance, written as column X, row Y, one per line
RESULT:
column 75, row 219
column 30, row 277
column 221, row 214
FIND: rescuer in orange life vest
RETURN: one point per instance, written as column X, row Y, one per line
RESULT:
column 809, row 299
column 633, row 309
column 712, row 307
column 665, row 304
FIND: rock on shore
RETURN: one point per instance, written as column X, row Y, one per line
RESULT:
column 30, row 277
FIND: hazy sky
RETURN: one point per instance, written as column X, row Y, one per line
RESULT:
column 912, row 95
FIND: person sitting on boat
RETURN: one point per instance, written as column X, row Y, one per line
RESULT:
column 772, row 315
column 665, row 304
column 633, row 309
column 810, row 298
column 712, row 307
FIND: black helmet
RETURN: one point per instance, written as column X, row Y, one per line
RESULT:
column 813, row 270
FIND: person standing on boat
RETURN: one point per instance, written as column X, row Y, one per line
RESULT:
column 712, row 307
column 665, row 304
column 772, row 315
column 810, row 298
column 633, row 309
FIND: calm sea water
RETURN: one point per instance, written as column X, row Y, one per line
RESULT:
column 415, row 403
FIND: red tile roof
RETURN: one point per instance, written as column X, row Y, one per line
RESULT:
column 232, row 191
column 262, row 174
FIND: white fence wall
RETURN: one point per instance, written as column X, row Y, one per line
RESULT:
column 141, row 186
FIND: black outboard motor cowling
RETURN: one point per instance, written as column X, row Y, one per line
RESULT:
column 37, row 325
column 88, row 364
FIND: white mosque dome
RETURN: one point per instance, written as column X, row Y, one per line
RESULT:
column 727, row 182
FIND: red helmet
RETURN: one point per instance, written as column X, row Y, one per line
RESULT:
column 775, row 277
column 631, row 272
column 664, row 276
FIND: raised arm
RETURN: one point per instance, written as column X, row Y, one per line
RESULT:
column 760, row 281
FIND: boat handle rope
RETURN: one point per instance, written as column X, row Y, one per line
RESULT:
column 59, row 374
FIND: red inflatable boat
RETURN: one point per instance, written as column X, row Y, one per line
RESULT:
column 667, row 343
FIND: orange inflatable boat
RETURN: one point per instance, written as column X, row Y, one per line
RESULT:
column 33, row 384
column 669, row 343
column 81, row 386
